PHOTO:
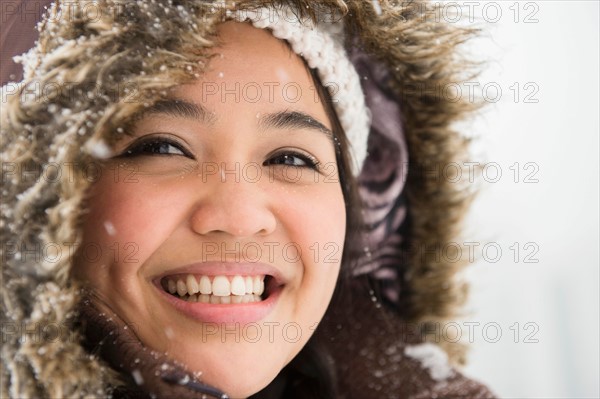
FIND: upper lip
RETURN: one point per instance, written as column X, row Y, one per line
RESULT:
column 227, row 269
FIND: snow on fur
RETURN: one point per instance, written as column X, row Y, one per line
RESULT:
column 432, row 358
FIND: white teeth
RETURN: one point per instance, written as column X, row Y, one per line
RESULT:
column 238, row 286
column 205, row 285
column 172, row 286
column 224, row 289
column 221, row 286
column 181, row 288
column 192, row 284
column 256, row 285
column 249, row 285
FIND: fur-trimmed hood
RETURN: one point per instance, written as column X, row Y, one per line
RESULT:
column 88, row 74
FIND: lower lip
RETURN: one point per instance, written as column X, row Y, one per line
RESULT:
column 225, row 313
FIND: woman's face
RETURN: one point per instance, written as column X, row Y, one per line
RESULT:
column 227, row 187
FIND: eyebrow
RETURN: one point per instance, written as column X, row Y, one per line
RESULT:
column 294, row 120
column 279, row 120
column 180, row 109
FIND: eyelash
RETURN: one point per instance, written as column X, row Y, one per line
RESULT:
column 144, row 147
column 307, row 160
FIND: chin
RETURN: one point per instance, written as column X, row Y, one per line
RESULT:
column 240, row 383
column 240, row 369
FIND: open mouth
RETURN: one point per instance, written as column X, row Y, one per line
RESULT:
column 219, row 289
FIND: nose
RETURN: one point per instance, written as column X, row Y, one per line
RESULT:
column 233, row 206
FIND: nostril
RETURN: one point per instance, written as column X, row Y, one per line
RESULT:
column 241, row 214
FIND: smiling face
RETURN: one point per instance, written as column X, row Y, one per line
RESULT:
column 223, row 246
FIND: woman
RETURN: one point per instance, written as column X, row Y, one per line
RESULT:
column 210, row 211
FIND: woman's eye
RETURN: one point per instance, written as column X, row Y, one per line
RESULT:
column 156, row 147
column 293, row 159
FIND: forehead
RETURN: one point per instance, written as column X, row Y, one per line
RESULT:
column 242, row 45
column 252, row 72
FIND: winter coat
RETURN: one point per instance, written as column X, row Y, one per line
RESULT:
column 382, row 341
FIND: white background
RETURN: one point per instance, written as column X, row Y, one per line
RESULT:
column 556, row 355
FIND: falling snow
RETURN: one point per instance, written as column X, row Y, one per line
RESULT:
column 110, row 228
column 99, row 149
column 376, row 7
column 169, row 333
column 137, row 377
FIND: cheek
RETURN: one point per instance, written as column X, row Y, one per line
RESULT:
column 317, row 225
column 125, row 224
column 322, row 217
